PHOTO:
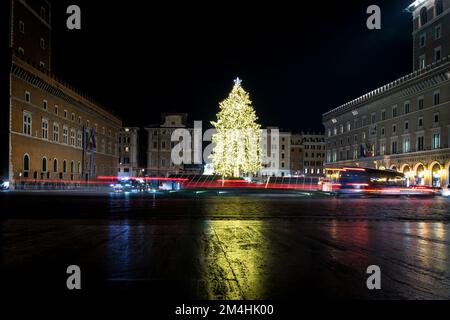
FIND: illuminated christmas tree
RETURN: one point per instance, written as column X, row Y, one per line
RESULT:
column 237, row 147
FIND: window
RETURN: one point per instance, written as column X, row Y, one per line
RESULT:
column 437, row 54
column 373, row 118
column 406, row 145
column 383, row 131
column 64, row 170
column 163, row 145
column 436, row 143
column 56, row 109
column 55, row 132
column 72, row 166
column 42, row 43
column 355, row 123
column 64, row 139
column 45, row 129
column 43, row 13
column 79, row 139
column 21, row 51
column 383, row 115
column 423, row 40
column 422, row 62
column 341, row 129
column 348, row 126
column 437, row 32
column 79, row 168
column 21, row 27
column 436, row 98
column 407, row 107
column 55, row 166
column 420, row 122
column 382, row 148
column 406, row 125
column 79, row 120
column 394, row 128
column 44, row 164
column 65, row 114
column 423, row 16
column 27, row 123
column 27, row 96
column 394, row 111
column 26, row 165
column 436, row 118
column 45, row 104
column 394, row 147
column 420, row 145
column 439, row 7
column 355, row 138
column 72, row 137
column 72, row 117
column 420, row 103
column 41, row 64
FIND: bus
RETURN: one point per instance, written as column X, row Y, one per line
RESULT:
column 368, row 181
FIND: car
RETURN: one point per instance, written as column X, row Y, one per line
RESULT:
column 4, row 185
column 445, row 191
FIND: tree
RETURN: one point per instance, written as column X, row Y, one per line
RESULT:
column 236, row 142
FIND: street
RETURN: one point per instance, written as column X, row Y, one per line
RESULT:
column 225, row 247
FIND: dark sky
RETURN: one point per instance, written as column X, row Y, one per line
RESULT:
column 297, row 59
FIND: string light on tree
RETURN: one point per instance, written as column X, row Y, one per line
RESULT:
column 237, row 147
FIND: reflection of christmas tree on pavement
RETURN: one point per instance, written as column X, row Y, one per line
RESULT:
column 237, row 147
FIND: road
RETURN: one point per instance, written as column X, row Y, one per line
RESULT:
column 225, row 247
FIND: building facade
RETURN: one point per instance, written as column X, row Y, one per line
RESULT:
column 307, row 154
column 404, row 125
column 276, row 145
column 129, row 153
column 56, row 134
column 160, row 146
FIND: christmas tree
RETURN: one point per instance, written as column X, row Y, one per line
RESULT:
column 237, row 147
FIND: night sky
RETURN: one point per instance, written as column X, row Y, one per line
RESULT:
column 296, row 63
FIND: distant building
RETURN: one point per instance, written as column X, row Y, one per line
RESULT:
column 307, row 154
column 159, row 150
column 276, row 146
column 128, row 152
column 55, row 133
column 403, row 125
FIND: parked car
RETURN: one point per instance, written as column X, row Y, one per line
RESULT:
column 445, row 192
column 4, row 185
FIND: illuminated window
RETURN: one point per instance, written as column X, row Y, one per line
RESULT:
column 44, row 129
column 27, row 123
column 55, row 132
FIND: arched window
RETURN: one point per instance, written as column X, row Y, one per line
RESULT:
column 44, row 164
column 71, row 167
column 64, row 166
column 439, row 7
column 79, row 167
column 26, row 165
column 55, row 166
column 423, row 16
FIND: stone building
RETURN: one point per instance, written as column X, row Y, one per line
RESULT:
column 403, row 125
column 55, row 133
column 129, row 152
column 160, row 146
column 307, row 154
column 275, row 144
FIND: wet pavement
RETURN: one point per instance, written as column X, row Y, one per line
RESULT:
column 225, row 247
